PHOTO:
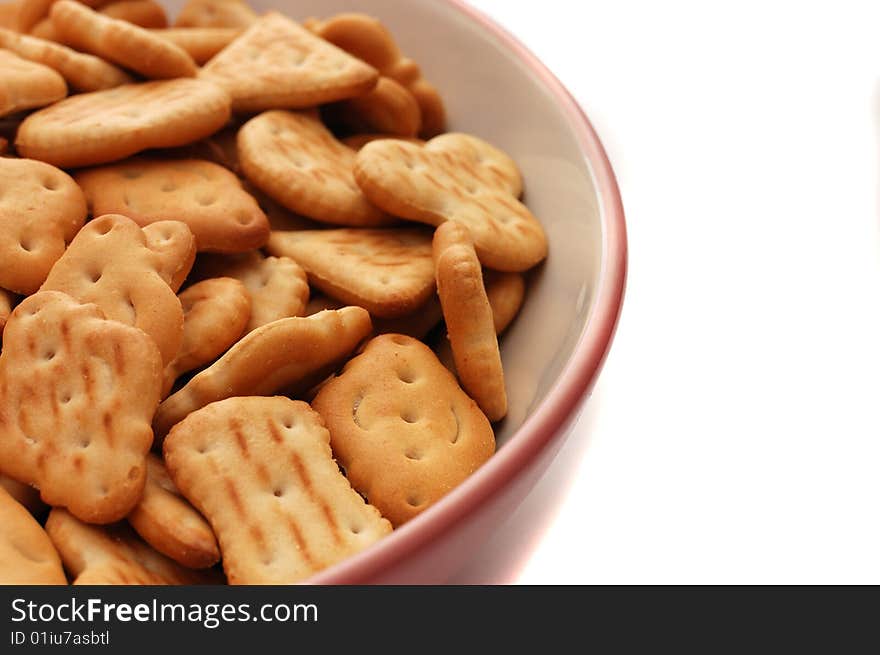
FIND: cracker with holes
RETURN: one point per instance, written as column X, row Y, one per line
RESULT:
column 114, row 555
column 166, row 521
column 388, row 109
column 401, row 427
column 387, row 271
column 41, row 209
column 131, row 274
column 77, row 392
column 27, row 556
column 202, row 43
column 222, row 216
column 104, row 126
column 262, row 472
column 291, row 355
column 456, row 177
column 216, row 13
column 294, row 159
column 469, row 320
column 277, row 63
column 26, row 84
column 120, row 42
column 277, row 286
column 215, row 315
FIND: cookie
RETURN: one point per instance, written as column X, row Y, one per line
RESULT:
column 401, row 427
column 144, row 13
column 215, row 315
column 294, row 159
column 215, row 13
column 202, row 43
column 120, row 42
column 166, row 521
column 114, row 555
column 277, row 64
column 456, row 177
column 104, row 126
column 41, row 209
column 25, row 84
column 131, row 274
column 290, row 354
column 24, row 494
column 469, row 320
column 27, row 556
column 78, row 392
column 389, row 272
column 388, row 109
column 222, row 216
column 261, row 471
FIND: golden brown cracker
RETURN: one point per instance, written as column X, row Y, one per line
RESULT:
column 32, row 12
column 24, row 494
column 9, row 15
column 358, row 141
column 261, row 471
column 401, row 427
column 144, row 13
column 26, row 85
column 45, row 30
column 416, row 324
column 506, row 292
column 202, row 43
column 7, row 300
column 388, row 109
column 27, row 556
column 216, row 13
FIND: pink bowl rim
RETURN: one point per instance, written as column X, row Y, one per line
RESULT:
column 576, row 379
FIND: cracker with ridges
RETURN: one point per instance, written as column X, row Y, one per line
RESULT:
column 166, row 521
column 114, row 555
column 78, row 392
column 27, row 556
column 120, row 42
column 289, row 354
column 41, row 209
column 143, row 13
column 456, row 177
column 387, row 271
column 215, row 13
column 104, row 126
column 215, row 315
column 469, row 321
column 222, row 216
column 202, row 43
column 26, row 84
column 131, row 274
column 388, row 109
column 24, row 494
column 262, row 472
column 276, row 63
column 401, row 427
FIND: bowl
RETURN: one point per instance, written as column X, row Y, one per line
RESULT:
column 552, row 353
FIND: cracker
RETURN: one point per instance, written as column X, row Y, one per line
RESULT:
column 9, row 15
column 456, row 177
column 4, row 146
column 32, row 12
column 215, row 315
column 469, row 320
column 388, row 109
column 83, row 72
column 41, row 209
column 45, row 30
column 389, row 272
column 222, row 216
column 202, row 43
column 131, row 274
column 27, row 556
column 166, row 521
column 293, row 353
column 262, row 472
column 401, row 427
column 25, row 84
column 7, row 301
column 104, row 126
column 215, row 13
column 505, row 292
column 294, row 159
column 113, row 554
column 277, row 286
column 358, row 141
column 78, row 392
column 144, row 13
column 120, row 42
column 278, row 64
column 416, row 325
column 24, row 494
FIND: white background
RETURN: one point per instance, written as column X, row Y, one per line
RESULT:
column 733, row 434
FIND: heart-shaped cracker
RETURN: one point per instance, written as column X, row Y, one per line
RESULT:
column 41, row 209
column 456, row 177
column 202, row 43
column 114, row 555
column 401, row 427
column 166, row 521
column 131, row 274
column 104, row 126
column 27, row 556
column 388, row 109
column 215, row 315
column 294, row 159
column 215, row 13
column 222, row 216
column 289, row 355
column 25, row 494
column 389, row 272
column 77, row 392
column 261, row 471
column 25, row 84
column 277, row 63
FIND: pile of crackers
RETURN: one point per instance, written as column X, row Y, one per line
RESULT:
column 251, row 290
